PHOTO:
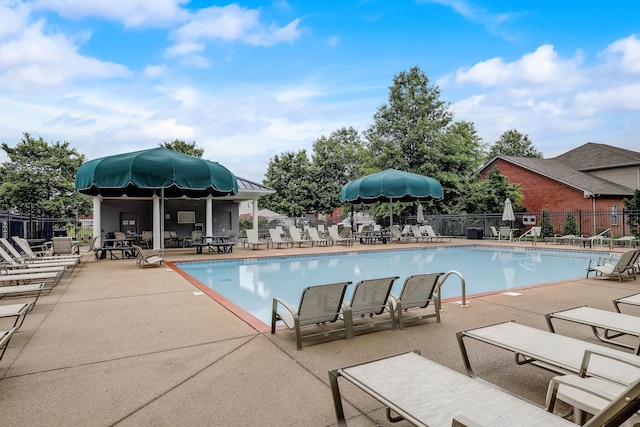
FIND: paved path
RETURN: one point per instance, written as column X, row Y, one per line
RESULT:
column 114, row 345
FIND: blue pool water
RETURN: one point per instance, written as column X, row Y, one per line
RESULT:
column 252, row 283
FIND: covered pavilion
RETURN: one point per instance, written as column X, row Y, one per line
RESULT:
column 161, row 189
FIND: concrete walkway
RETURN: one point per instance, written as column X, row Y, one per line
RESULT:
column 115, row 345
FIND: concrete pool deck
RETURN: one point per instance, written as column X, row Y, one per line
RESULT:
column 115, row 345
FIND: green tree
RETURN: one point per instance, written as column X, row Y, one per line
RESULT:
column 290, row 175
column 488, row 195
column 336, row 160
column 570, row 224
column 184, row 147
column 39, row 179
column 513, row 143
column 415, row 132
column 632, row 206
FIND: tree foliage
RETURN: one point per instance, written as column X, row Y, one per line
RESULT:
column 513, row 143
column 290, row 176
column 488, row 195
column 415, row 132
column 39, row 179
column 184, row 147
column 632, row 206
column 336, row 160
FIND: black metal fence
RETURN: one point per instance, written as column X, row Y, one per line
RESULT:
column 39, row 228
column 577, row 222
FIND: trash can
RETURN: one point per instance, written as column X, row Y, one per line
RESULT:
column 475, row 233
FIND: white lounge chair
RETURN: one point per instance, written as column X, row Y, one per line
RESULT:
column 616, row 267
column 417, row 292
column 296, row 237
column 417, row 234
column 254, row 241
column 318, row 305
column 146, row 257
column 425, row 393
column 604, row 324
column 433, row 235
column 276, row 239
column 5, row 337
column 24, row 277
column 550, row 351
column 337, row 238
column 370, row 298
column 18, row 291
column 494, row 233
column 533, row 232
column 505, row 233
column 316, row 239
column 630, row 300
column 397, row 236
column 29, row 255
column 10, row 264
column 19, row 311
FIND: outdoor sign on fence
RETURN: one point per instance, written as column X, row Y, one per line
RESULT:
column 529, row 220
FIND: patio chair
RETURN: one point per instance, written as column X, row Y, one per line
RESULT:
column 553, row 352
column 19, row 291
column 316, row 239
column 13, row 265
column 425, row 393
column 494, row 233
column 146, row 257
column 433, row 235
column 605, row 325
column 296, row 237
column 533, row 232
column 5, row 337
column 63, row 246
column 254, row 241
column 417, row 292
column 19, row 311
column 194, row 237
column 397, row 236
column 29, row 255
column 505, row 233
column 50, row 279
column 319, row 305
column 615, row 268
column 147, row 238
column 370, row 298
column 417, row 234
column 276, row 239
column 337, row 238
column 588, row 394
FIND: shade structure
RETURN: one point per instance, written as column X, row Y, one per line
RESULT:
column 391, row 185
column 148, row 172
column 420, row 215
column 507, row 214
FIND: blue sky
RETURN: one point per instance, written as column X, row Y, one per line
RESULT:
column 253, row 79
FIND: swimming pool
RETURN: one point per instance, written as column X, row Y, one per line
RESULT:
column 252, row 283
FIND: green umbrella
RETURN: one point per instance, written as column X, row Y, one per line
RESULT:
column 148, row 172
column 391, row 185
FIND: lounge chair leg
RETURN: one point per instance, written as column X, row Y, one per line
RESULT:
column 393, row 419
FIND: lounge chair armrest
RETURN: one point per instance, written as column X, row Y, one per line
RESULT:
column 287, row 318
column 628, row 359
column 581, row 384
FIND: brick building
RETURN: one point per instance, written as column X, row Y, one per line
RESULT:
column 592, row 177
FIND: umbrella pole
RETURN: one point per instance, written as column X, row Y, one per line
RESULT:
column 390, row 212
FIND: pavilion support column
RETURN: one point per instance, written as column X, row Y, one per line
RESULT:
column 209, row 217
column 255, row 213
column 157, row 226
column 97, row 220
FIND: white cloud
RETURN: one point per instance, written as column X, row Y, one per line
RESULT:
column 542, row 67
column 625, row 53
column 33, row 59
column 132, row 13
column 228, row 24
column 556, row 101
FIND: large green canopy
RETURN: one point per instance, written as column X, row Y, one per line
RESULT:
column 391, row 185
column 145, row 173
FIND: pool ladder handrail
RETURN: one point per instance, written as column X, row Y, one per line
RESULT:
column 464, row 289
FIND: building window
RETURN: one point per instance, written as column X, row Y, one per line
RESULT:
column 614, row 214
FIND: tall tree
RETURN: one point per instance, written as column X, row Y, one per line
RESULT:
column 513, row 143
column 488, row 195
column 632, row 206
column 184, row 147
column 39, row 179
column 290, row 175
column 336, row 160
column 415, row 132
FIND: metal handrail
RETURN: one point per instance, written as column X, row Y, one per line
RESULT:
column 464, row 289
